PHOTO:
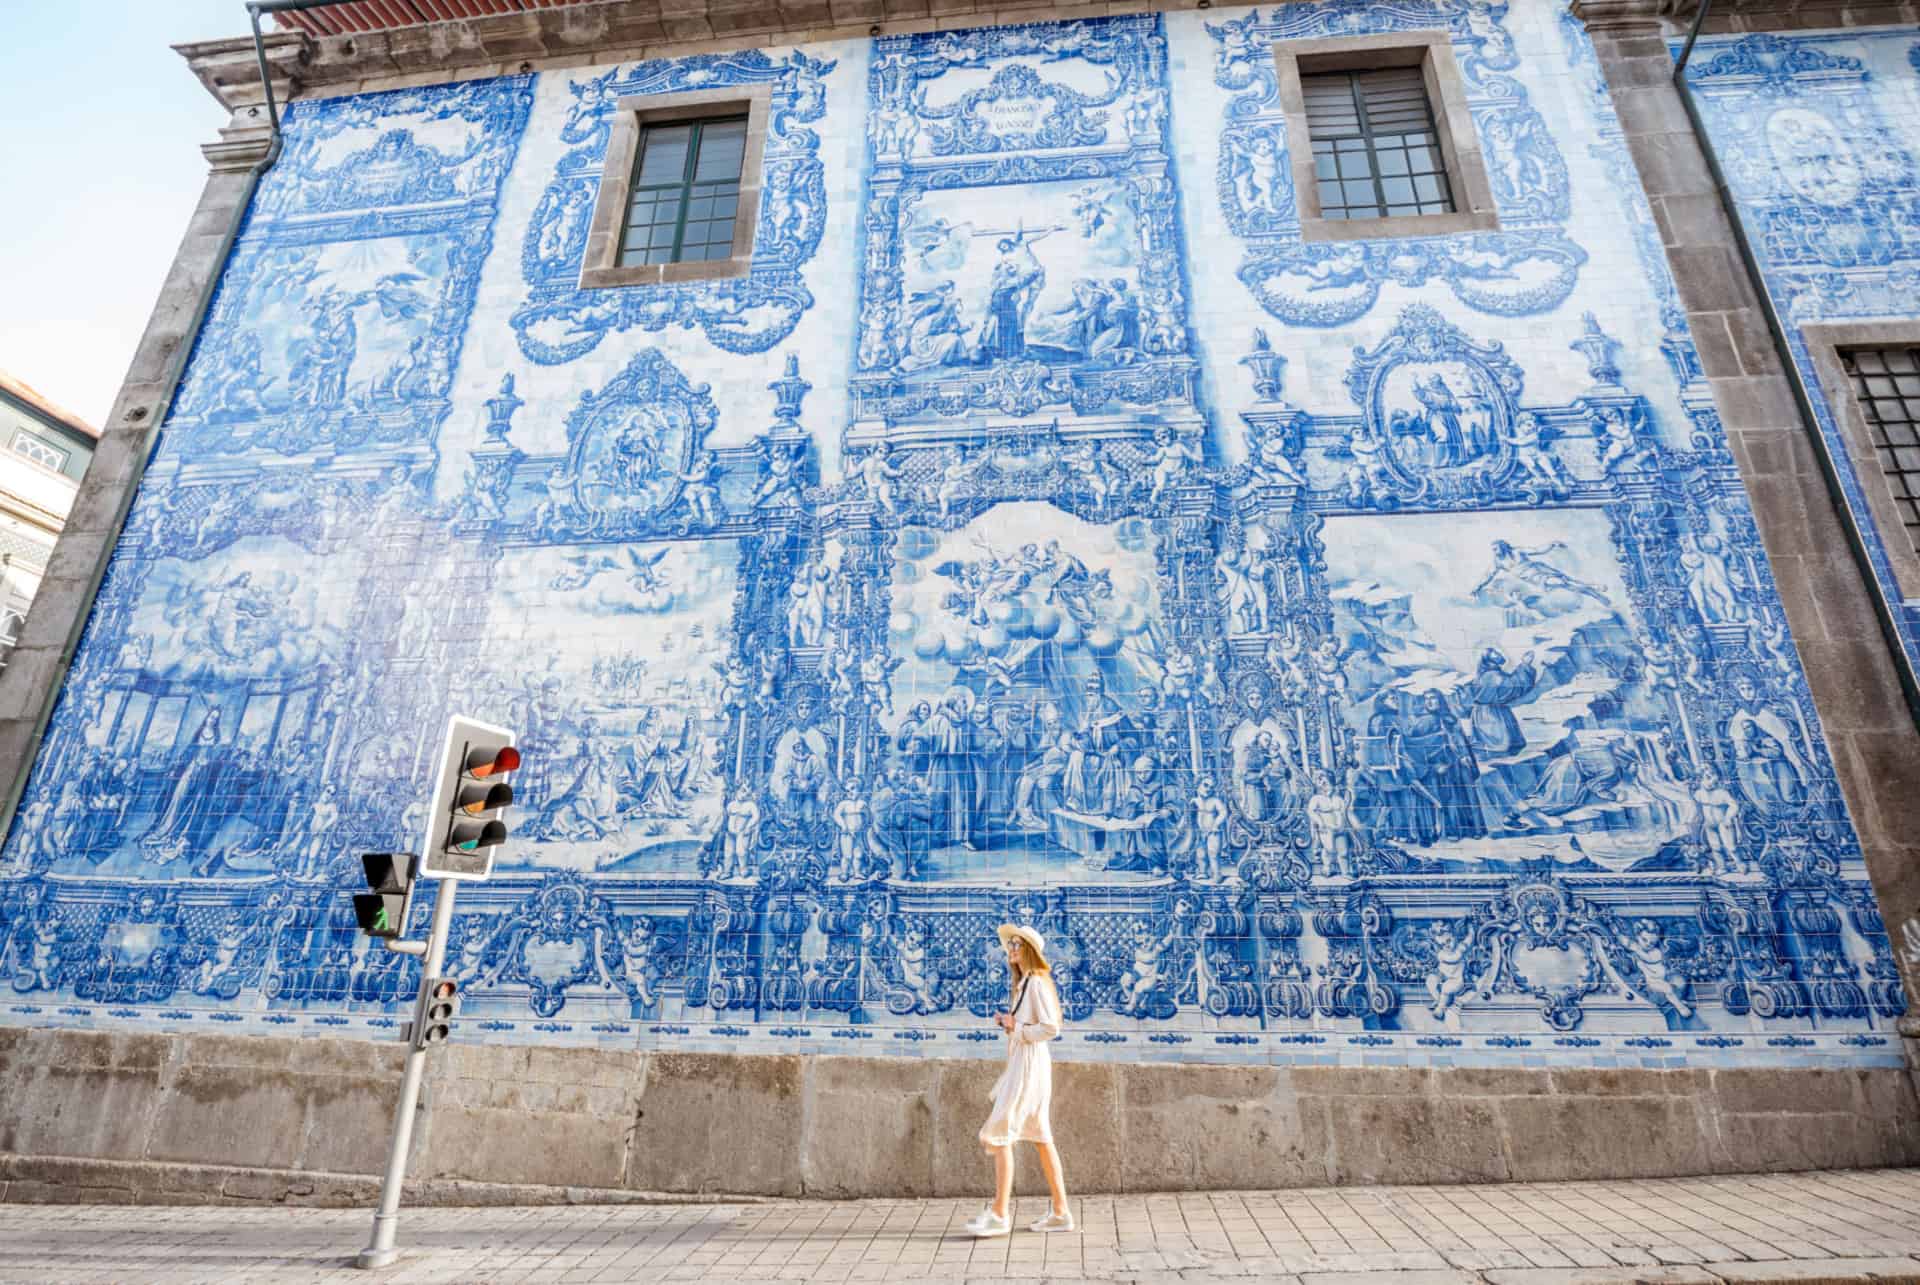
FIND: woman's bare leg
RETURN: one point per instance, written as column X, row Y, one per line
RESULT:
column 1056, row 1181
column 1002, row 1180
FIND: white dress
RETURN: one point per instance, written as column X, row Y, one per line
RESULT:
column 1024, row 1091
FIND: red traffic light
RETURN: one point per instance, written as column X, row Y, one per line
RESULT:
column 444, row 988
column 483, row 763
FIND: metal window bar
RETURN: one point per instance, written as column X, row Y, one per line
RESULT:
column 1886, row 382
column 1376, row 149
column 685, row 193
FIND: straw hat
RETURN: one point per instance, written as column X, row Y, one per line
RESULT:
column 1034, row 941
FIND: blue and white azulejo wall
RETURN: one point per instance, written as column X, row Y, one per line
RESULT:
column 1818, row 133
column 1340, row 652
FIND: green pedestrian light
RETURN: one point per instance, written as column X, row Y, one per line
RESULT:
column 382, row 911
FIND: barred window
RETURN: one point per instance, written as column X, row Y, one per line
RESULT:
column 1376, row 148
column 685, row 194
column 1886, row 381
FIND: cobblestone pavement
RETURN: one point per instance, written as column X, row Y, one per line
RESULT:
column 1782, row 1227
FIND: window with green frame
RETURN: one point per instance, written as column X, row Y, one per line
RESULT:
column 686, row 191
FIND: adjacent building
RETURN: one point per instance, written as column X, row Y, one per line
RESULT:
column 1301, row 504
column 44, row 450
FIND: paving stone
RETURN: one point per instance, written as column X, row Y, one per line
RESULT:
column 1291, row 1237
column 1431, row 1276
column 1600, row 1276
column 1823, row 1270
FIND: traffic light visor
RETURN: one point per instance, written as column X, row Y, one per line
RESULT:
column 388, row 872
column 483, row 763
column 471, row 836
column 475, row 799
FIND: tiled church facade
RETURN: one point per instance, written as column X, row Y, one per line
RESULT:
column 1346, row 653
column 1818, row 132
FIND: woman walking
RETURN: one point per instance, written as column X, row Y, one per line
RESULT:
column 1024, row 1092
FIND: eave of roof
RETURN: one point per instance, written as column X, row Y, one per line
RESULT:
column 360, row 45
column 385, row 15
column 46, row 408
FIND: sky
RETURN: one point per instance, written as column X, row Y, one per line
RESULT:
column 100, row 160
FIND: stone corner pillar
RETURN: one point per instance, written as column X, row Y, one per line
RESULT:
column 1829, row 604
column 37, row 666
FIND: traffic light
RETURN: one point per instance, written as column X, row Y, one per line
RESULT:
column 383, row 911
column 466, row 821
column 439, row 1001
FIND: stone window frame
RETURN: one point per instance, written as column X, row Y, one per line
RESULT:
column 601, row 268
column 1432, row 52
column 1824, row 343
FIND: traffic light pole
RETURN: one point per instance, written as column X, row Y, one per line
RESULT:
column 380, row 1251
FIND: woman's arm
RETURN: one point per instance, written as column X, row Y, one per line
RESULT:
column 1046, row 1010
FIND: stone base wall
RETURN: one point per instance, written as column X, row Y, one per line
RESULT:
column 193, row 1118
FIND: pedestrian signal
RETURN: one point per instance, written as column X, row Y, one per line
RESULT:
column 383, row 911
column 466, row 822
column 439, row 1001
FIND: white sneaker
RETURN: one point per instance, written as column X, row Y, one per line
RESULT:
column 1053, row 1222
column 987, row 1223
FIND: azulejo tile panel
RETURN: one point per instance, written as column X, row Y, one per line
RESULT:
column 1530, row 266
column 559, row 323
column 1358, row 661
column 1817, row 135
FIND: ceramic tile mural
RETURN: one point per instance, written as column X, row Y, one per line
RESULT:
column 1341, row 652
column 1818, row 133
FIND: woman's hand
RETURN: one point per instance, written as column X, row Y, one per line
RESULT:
column 1004, row 1021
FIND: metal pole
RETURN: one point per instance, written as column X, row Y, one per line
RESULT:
column 254, row 9
column 386, row 1223
column 1693, row 34
column 266, row 81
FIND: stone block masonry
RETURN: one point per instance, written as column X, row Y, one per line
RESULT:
column 195, row 1118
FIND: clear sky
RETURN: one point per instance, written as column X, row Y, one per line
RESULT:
column 101, row 168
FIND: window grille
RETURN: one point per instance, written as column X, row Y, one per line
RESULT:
column 39, row 452
column 1887, row 383
column 686, row 192
column 1376, row 151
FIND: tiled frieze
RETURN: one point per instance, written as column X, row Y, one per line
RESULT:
column 1347, row 651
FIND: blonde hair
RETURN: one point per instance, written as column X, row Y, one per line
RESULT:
column 1015, row 971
